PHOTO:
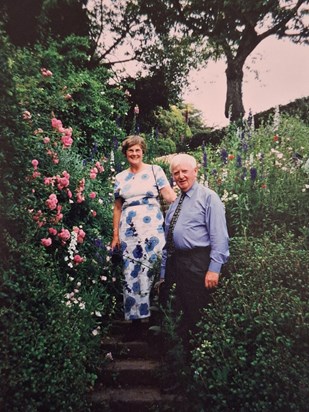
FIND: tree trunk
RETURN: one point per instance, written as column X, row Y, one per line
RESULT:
column 234, row 107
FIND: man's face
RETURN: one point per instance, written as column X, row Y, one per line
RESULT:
column 184, row 175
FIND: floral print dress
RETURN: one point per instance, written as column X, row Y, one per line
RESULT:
column 141, row 235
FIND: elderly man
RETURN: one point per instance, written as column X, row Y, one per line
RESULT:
column 196, row 243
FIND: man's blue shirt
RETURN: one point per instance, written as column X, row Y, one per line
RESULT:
column 201, row 223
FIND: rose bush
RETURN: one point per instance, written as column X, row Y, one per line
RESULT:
column 58, row 287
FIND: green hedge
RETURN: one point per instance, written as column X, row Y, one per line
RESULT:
column 252, row 353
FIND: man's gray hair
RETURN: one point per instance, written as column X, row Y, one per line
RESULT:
column 182, row 158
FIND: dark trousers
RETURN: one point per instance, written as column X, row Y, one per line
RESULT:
column 187, row 269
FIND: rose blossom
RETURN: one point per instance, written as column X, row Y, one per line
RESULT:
column 64, row 235
column 26, row 115
column 67, row 141
column 46, row 241
column 92, row 195
column 78, row 259
column 35, row 163
column 52, row 201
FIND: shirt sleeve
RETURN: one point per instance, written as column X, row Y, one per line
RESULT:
column 218, row 234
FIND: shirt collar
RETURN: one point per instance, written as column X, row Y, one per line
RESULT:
column 189, row 193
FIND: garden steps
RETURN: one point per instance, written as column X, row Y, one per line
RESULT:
column 129, row 379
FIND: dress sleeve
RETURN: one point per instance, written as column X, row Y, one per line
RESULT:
column 117, row 189
column 160, row 177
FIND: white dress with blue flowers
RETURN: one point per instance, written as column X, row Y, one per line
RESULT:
column 141, row 234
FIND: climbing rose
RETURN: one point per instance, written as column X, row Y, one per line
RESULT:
column 67, row 141
column 78, row 259
column 52, row 231
column 52, row 202
column 46, row 241
column 35, row 163
column 64, row 235
column 26, row 115
column 45, row 72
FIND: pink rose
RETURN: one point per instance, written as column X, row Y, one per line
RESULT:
column 79, row 197
column 80, row 234
column 46, row 241
column 46, row 140
column 49, row 181
column 99, row 167
column 92, row 195
column 64, row 235
column 67, row 141
column 35, row 163
column 52, row 231
column 56, row 124
column 36, row 174
column 46, row 73
column 52, row 202
column 78, row 259
column 69, row 193
column 63, row 182
column 26, row 115
column 93, row 213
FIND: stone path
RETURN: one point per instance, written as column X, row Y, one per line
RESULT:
column 131, row 381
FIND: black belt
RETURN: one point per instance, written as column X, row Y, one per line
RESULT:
column 185, row 252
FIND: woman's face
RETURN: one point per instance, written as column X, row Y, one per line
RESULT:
column 134, row 155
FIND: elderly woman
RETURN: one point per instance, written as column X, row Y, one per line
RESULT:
column 138, row 225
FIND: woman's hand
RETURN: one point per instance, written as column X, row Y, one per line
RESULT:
column 115, row 242
column 168, row 194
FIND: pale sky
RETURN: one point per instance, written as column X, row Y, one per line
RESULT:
column 283, row 76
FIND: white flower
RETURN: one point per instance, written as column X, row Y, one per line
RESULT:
column 97, row 313
column 109, row 356
column 82, row 305
column 95, row 332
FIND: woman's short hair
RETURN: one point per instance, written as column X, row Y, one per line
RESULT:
column 182, row 158
column 132, row 141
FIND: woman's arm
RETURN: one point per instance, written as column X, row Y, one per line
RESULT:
column 116, row 221
column 168, row 194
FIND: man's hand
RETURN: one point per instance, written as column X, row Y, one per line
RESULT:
column 211, row 279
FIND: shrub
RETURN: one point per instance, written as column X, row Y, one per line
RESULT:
column 46, row 351
column 252, row 351
column 57, row 285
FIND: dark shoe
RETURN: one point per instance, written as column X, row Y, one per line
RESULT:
column 134, row 332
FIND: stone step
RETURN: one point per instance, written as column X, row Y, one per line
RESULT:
column 135, row 349
column 137, row 399
column 130, row 372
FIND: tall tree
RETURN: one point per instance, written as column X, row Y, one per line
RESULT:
column 231, row 29
column 29, row 21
